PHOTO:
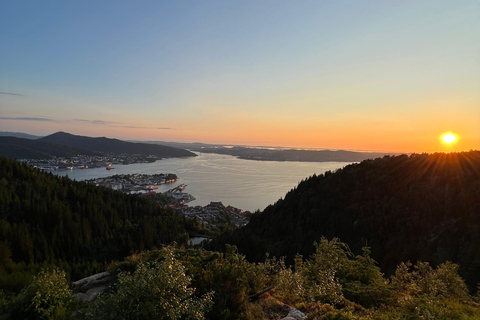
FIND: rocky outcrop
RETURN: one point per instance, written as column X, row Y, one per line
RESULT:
column 295, row 314
column 88, row 288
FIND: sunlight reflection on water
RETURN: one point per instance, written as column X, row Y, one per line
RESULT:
column 245, row 184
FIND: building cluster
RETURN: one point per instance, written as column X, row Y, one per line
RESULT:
column 216, row 213
column 87, row 162
column 135, row 183
column 179, row 196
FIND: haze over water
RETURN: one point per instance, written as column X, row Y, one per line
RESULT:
column 245, row 184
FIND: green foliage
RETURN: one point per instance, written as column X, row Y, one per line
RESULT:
column 233, row 279
column 419, row 208
column 423, row 292
column 50, row 220
column 289, row 285
column 46, row 220
column 47, row 297
column 331, row 275
column 179, row 283
column 3, row 305
column 320, row 272
column 422, row 280
column 156, row 290
column 363, row 283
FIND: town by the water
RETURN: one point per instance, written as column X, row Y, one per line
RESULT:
column 214, row 214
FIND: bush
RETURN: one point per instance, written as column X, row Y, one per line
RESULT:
column 156, row 290
column 426, row 293
column 288, row 285
column 47, row 297
column 320, row 273
column 363, row 283
column 232, row 278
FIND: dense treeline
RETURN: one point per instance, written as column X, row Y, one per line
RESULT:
column 51, row 220
column 422, row 208
column 419, row 208
column 22, row 148
column 178, row 283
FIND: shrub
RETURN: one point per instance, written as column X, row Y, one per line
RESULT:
column 363, row 282
column 233, row 279
column 47, row 297
column 320, row 273
column 156, row 290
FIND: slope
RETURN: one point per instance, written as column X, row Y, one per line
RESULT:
column 107, row 145
column 418, row 207
column 20, row 148
column 46, row 219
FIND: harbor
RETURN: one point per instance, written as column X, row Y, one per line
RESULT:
column 213, row 214
column 141, row 184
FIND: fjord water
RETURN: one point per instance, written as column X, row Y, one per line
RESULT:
column 245, row 184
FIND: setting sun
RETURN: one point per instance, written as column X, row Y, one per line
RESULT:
column 449, row 138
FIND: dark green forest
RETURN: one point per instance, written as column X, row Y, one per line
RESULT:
column 48, row 220
column 422, row 207
column 409, row 248
column 179, row 283
column 20, row 148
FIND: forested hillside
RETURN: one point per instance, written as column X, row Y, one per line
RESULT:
column 177, row 283
column 107, row 145
column 48, row 220
column 420, row 208
column 22, row 148
column 51, row 228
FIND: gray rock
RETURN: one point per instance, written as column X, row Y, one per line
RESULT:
column 295, row 314
column 88, row 288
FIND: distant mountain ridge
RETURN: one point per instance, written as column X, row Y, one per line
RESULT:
column 108, row 145
column 18, row 135
column 264, row 153
column 21, row 148
column 115, row 146
column 62, row 144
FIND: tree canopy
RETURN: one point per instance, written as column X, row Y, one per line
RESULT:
column 418, row 207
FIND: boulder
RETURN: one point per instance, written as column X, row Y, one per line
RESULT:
column 295, row 314
column 88, row 288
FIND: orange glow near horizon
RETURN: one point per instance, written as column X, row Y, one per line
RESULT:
column 389, row 133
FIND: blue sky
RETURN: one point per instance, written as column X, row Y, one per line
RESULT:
column 369, row 75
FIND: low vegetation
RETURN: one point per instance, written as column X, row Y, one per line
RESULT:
column 420, row 208
column 418, row 215
column 47, row 221
column 179, row 283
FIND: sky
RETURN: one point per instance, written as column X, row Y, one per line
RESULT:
column 388, row 76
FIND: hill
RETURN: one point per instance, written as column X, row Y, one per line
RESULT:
column 18, row 135
column 277, row 153
column 107, row 145
column 20, row 148
column 49, row 220
column 266, row 154
column 58, row 229
column 419, row 208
